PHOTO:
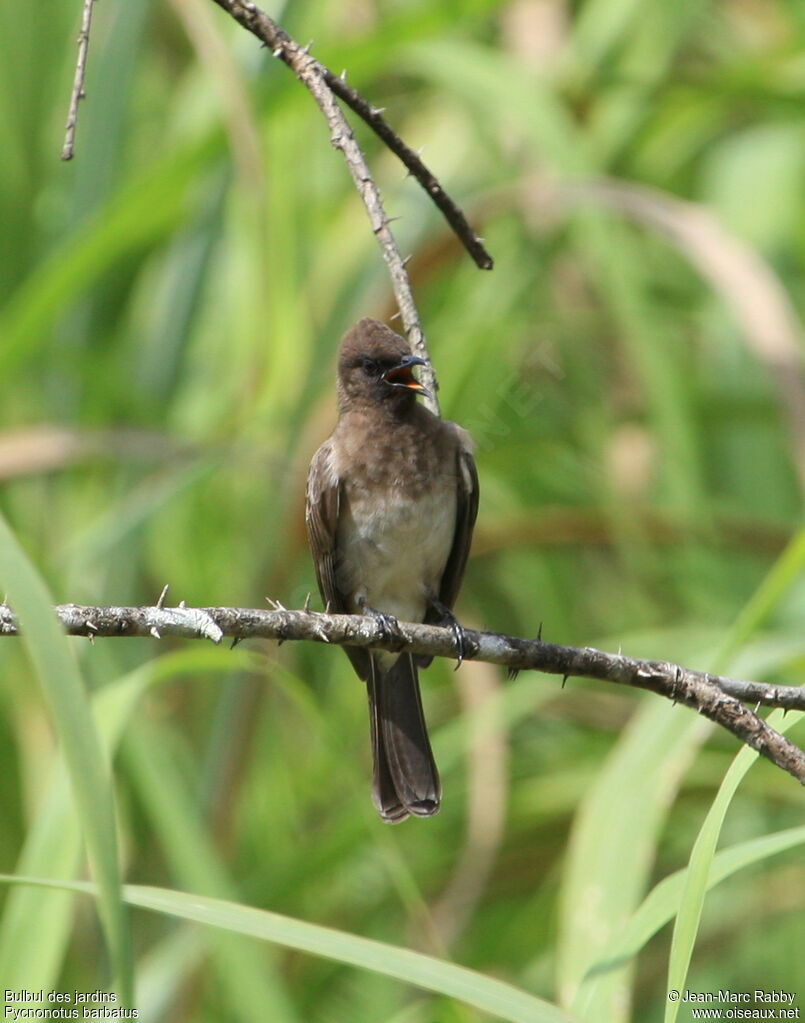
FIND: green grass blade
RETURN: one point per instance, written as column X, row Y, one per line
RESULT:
column 486, row 993
column 137, row 216
column 696, row 879
column 777, row 581
column 252, row 985
column 615, row 837
column 782, row 575
column 30, row 955
column 662, row 902
column 54, row 661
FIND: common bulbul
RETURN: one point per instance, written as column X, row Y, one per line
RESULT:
column 392, row 498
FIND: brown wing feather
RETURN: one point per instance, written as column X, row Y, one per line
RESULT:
column 466, row 514
column 321, row 517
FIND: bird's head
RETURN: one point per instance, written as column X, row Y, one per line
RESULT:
column 375, row 367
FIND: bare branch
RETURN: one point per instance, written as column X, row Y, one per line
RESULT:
column 716, row 697
column 314, row 77
column 416, row 168
column 282, row 46
column 78, row 82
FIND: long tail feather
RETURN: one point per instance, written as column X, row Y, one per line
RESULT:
column 406, row 780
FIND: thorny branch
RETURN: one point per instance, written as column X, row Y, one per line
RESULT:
column 314, row 77
column 416, row 168
column 282, row 46
column 716, row 697
column 77, row 93
column 323, row 84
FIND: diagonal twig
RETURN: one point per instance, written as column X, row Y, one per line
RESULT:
column 78, row 93
column 282, row 46
column 416, row 168
column 312, row 75
column 716, row 697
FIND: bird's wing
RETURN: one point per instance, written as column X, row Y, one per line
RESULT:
column 321, row 517
column 466, row 513
column 466, row 477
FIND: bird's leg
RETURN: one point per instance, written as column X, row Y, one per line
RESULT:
column 388, row 625
column 449, row 620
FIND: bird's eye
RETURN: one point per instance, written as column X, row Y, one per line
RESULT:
column 370, row 367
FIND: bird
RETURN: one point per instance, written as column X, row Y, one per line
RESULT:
column 392, row 498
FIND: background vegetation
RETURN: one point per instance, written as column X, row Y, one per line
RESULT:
column 631, row 372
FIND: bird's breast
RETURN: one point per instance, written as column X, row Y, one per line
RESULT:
column 393, row 544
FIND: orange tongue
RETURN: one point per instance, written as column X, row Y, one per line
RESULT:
column 404, row 375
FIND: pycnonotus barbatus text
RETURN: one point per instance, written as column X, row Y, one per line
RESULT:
column 392, row 498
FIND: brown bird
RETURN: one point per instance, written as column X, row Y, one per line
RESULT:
column 392, row 498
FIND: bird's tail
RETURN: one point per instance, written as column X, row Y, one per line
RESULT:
column 405, row 777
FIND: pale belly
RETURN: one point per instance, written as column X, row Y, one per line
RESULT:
column 394, row 550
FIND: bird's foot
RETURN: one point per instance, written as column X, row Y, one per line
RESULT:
column 388, row 625
column 463, row 646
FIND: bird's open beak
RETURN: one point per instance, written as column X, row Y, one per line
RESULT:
column 403, row 376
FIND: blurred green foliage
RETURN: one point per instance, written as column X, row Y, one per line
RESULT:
column 631, row 372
